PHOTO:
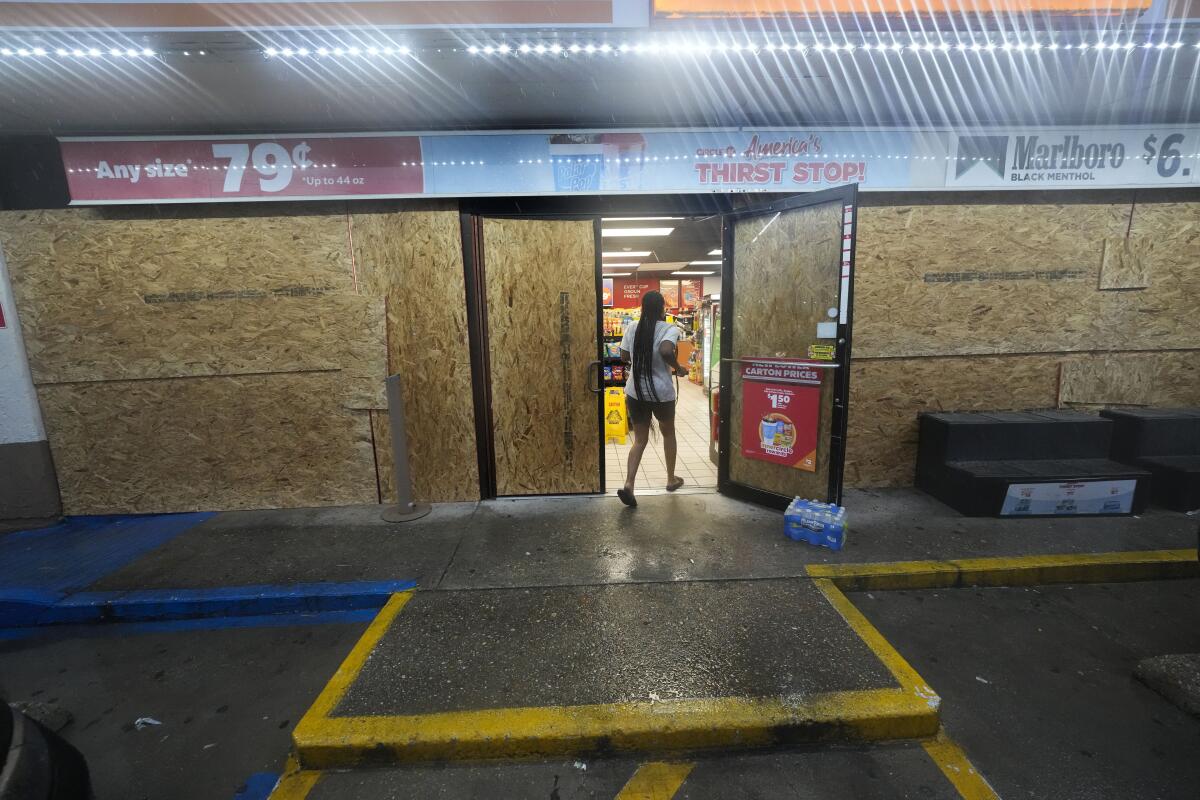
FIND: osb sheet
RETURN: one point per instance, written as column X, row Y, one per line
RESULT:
column 213, row 337
column 984, row 279
column 1126, row 379
column 541, row 305
column 787, row 274
column 1123, row 265
column 414, row 261
column 1168, row 238
column 887, row 394
column 259, row 441
column 97, row 257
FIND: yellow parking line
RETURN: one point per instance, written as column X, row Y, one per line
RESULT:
column 658, row 780
column 332, row 694
column 294, row 783
column 1012, row 571
column 958, row 769
column 688, row 724
column 901, row 670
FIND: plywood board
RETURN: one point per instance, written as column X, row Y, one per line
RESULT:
column 1103, row 378
column 214, row 337
column 887, row 394
column 989, row 279
column 257, row 441
column 1123, row 265
column 787, row 270
column 542, row 307
column 413, row 260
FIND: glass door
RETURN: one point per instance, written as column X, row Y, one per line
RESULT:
column 785, row 347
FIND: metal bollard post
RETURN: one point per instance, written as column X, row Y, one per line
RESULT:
column 406, row 509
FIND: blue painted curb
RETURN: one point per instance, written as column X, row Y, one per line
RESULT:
column 149, row 605
column 257, row 787
column 92, row 631
column 20, row 607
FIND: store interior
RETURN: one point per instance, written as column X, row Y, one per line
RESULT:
column 681, row 258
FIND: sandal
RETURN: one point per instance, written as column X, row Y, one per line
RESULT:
column 675, row 484
column 627, row 497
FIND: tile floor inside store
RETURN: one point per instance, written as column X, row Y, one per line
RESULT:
column 692, row 464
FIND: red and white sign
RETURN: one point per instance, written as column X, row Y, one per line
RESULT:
column 629, row 293
column 133, row 171
column 781, row 402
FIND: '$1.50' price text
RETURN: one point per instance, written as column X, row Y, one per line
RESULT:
column 273, row 163
column 1168, row 153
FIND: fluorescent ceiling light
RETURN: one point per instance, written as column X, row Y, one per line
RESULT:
column 617, row 274
column 716, row 252
column 636, row 219
column 612, row 264
column 636, row 231
column 693, row 273
column 625, row 254
column 702, row 263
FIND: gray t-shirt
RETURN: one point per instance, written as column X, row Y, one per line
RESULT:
column 664, row 387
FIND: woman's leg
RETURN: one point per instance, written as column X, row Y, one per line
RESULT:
column 670, row 447
column 641, row 436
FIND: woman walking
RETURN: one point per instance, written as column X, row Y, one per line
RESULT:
column 649, row 346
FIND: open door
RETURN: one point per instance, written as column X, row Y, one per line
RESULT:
column 535, row 298
column 786, row 297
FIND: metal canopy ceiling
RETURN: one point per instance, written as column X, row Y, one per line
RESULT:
column 235, row 88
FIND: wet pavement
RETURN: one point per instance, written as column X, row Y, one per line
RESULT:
column 577, row 601
column 884, row 772
column 568, row 646
column 227, row 701
column 592, row 540
column 1037, row 683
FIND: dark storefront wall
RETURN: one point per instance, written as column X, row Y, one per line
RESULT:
column 233, row 356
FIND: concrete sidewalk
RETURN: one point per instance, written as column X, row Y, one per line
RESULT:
column 595, row 540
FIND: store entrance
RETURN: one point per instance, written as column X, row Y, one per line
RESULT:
column 679, row 257
column 761, row 298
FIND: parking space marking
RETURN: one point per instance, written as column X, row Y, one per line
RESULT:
column 686, row 724
column 294, row 783
column 657, row 780
column 958, row 769
column 332, row 694
column 901, row 670
column 1012, row 571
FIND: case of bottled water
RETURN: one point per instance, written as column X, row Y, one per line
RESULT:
column 821, row 524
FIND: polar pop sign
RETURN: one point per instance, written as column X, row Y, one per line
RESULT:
column 216, row 169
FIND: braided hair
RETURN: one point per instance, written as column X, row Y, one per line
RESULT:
column 653, row 311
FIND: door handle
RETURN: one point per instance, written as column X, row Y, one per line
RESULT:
column 598, row 386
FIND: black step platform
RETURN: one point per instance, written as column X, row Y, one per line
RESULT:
column 1165, row 441
column 1027, row 463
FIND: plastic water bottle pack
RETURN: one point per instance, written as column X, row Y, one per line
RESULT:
column 822, row 524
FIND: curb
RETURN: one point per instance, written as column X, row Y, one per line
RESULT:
column 30, row 608
column 671, row 725
column 1015, row 571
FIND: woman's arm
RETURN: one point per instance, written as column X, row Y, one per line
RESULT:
column 667, row 351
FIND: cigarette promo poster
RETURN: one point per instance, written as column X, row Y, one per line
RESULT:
column 781, row 403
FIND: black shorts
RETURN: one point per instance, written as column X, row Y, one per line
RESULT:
column 640, row 410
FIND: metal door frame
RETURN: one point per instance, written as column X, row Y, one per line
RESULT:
column 478, row 336
column 846, row 196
